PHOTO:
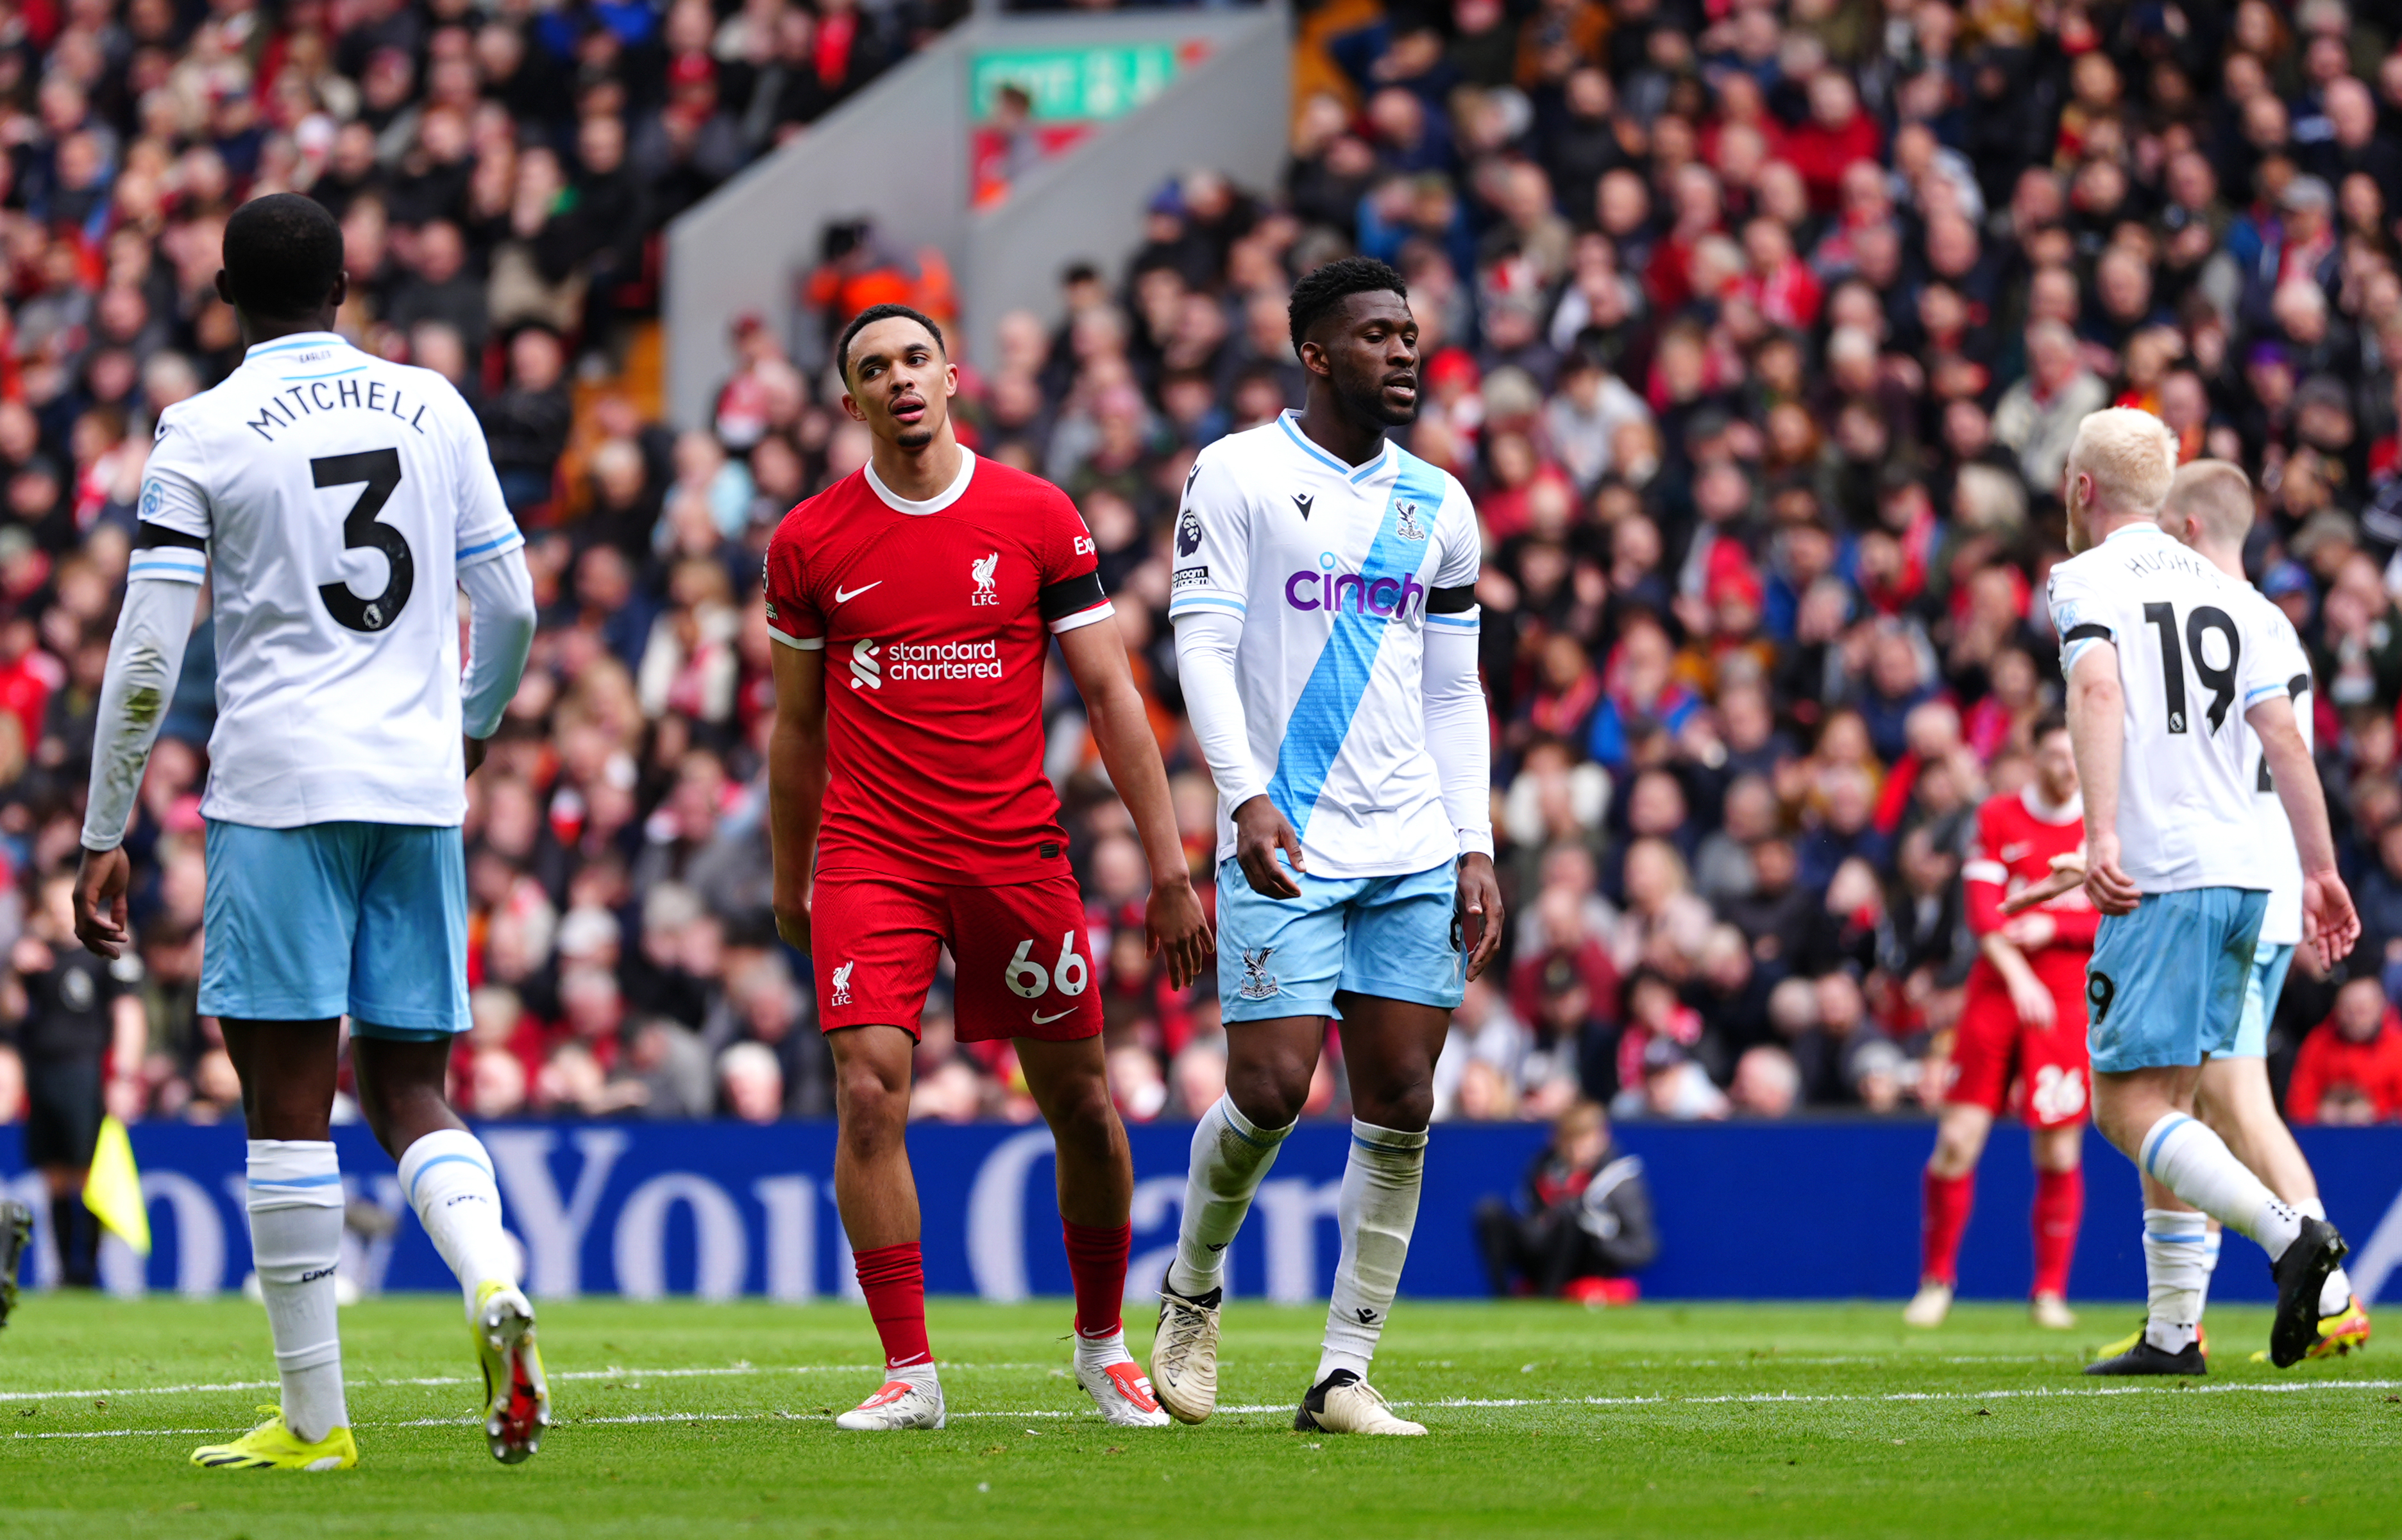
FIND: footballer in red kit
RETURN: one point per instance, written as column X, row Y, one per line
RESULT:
column 940, row 826
column 915, row 602
column 2021, row 1033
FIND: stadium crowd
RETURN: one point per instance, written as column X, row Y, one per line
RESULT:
column 1758, row 331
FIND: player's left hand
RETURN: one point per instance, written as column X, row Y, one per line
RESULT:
column 100, row 882
column 1173, row 923
column 2329, row 918
column 2032, row 1001
column 1480, row 911
column 475, row 747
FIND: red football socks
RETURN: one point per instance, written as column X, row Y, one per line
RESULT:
column 1097, row 1259
column 1949, row 1198
column 2059, row 1206
column 893, row 1278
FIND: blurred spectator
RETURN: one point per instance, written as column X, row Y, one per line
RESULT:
column 1582, row 1216
column 1766, row 1084
column 527, row 423
column 2350, row 1067
column 752, row 1083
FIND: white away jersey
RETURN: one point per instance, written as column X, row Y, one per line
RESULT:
column 2194, row 654
column 2283, row 859
column 337, row 496
column 1329, row 567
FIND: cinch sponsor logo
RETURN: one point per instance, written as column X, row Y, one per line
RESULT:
column 1328, row 589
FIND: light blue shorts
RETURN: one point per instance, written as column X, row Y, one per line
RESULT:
column 2269, row 960
column 2166, row 983
column 362, row 919
column 1395, row 938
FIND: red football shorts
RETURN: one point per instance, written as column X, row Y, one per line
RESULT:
column 1025, row 963
column 1992, row 1047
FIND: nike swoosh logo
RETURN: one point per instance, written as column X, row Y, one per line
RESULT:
column 1042, row 1020
column 844, row 596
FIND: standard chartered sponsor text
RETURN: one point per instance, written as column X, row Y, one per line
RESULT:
column 945, row 660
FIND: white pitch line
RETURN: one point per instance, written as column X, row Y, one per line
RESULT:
column 437, row 1380
column 1447, row 1403
column 128, row 1432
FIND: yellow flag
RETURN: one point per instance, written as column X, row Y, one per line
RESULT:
column 114, row 1190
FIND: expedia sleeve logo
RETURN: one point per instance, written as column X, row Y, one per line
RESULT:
column 1188, row 533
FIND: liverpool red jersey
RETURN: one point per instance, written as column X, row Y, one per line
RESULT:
column 2016, row 839
column 935, row 618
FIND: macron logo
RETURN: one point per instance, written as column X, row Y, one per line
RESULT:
column 865, row 672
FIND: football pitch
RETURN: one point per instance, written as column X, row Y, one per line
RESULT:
column 681, row 1419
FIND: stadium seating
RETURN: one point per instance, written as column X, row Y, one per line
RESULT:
column 1756, row 338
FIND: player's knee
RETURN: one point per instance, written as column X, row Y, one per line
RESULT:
column 1085, row 1117
column 874, row 1111
column 1270, row 1095
column 1408, row 1107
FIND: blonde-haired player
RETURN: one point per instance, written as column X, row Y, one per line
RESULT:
column 2167, row 661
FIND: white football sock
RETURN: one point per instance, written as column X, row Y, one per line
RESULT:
column 2176, row 1269
column 1231, row 1155
column 2337, row 1296
column 2210, row 1243
column 1099, row 1353
column 294, row 1200
column 2183, row 1155
column 448, row 1178
column 1378, row 1209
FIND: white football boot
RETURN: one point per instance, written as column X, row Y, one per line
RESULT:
column 900, row 1404
column 1345, row 1403
column 1185, row 1354
column 1123, row 1393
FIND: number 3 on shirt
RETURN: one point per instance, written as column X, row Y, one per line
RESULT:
column 381, row 470
column 1027, row 980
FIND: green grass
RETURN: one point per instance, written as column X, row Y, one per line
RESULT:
column 696, row 1420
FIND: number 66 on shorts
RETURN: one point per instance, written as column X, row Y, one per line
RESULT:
column 1025, row 962
column 1029, row 980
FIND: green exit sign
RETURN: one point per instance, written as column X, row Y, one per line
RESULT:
column 1074, row 85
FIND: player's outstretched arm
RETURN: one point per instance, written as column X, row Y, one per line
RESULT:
column 2068, row 872
column 796, row 779
column 2327, row 915
column 146, row 658
column 2097, row 725
column 1097, row 660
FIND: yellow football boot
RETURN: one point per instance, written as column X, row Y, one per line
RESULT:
column 516, row 1396
column 272, row 1446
